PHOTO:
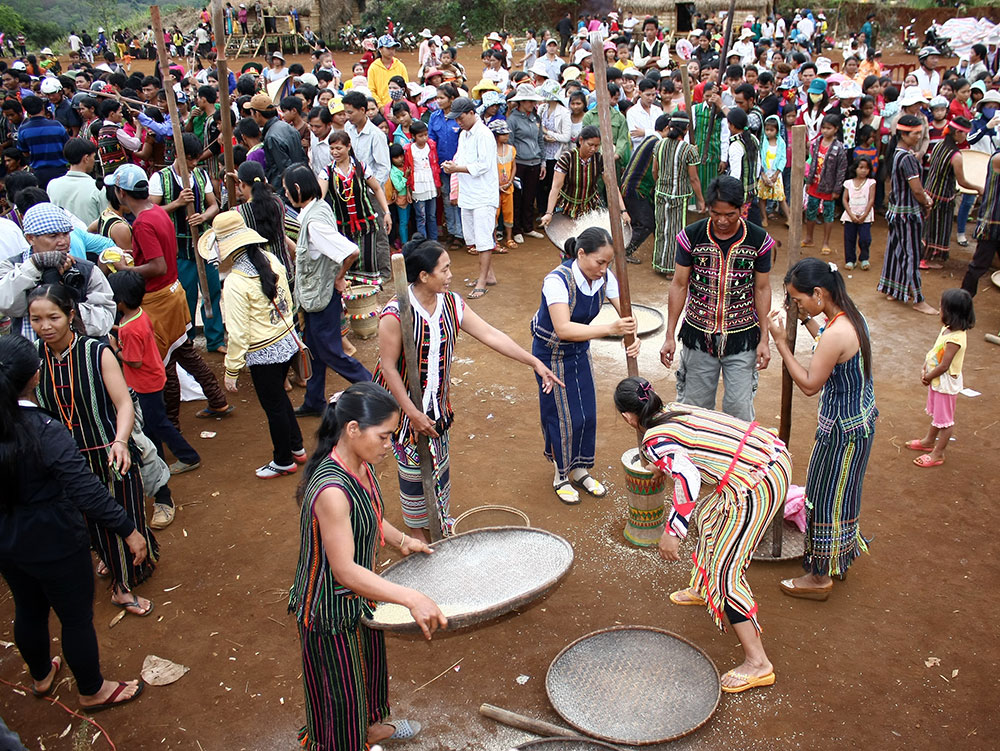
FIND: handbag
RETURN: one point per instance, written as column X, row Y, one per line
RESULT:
column 305, row 368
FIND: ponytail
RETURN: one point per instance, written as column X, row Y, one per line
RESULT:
column 366, row 403
column 268, row 279
column 18, row 365
column 268, row 215
column 637, row 396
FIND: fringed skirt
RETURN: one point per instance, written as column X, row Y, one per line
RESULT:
column 900, row 272
column 833, row 502
column 729, row 530
column 411, row 487
column 671, row 218
column 346, row 685
column 937, row 230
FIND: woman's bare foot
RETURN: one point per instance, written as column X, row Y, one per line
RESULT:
column 380, row 732
column 42, row 687
column 134, row 604
column 750, row 669
column 109, row 687
column 923, row 307
column 687, row 595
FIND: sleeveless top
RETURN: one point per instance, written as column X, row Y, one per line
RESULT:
column 988, row 227
column 847, row 401
column 582, row 309
column 110, row 151
column 348, row 195
column 318, row 600
column 198, row 180
column 107, row 221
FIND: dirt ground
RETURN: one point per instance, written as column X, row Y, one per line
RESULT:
column 855, row 671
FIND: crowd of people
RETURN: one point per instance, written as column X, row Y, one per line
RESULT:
column 116, row 240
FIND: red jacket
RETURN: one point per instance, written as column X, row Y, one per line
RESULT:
column 408, row 164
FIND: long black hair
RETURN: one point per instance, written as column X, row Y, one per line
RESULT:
column 63, row 299
column 365, row 402
column 810, row 273
column 421, row 254
column 265, row 206
column 18, row 365
column 268, row 279
column 636, row 395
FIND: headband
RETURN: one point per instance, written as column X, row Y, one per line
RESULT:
column 909, row 128
column 955, row 126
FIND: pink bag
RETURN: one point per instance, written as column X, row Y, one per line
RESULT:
column 795, row 506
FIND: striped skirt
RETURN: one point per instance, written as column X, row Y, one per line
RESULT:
column 833, row 502
column 346, row 685
column 729, row 531
column 900, row 272
column 671, row 218
column 411, row 487
column 569, row 415
column 937, row 230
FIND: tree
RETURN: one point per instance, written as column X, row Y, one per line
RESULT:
column 104, row 12
column 11, row 22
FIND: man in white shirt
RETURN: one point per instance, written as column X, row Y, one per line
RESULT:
column 75, row 43
column 641, row 117
column 629, row 24
column 321, row 125
column 371, row 148
column 928, row 78
column 475, row 163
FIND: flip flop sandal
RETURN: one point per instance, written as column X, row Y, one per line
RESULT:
column 134, row 604
column 826, row 250
column 805, row 593
column 749, row 682
column 916, row 445
column 404, row 730
column 566, row 493
column 512, row 244
column 110, row 701
column 599, row 492
column 807, row 244
column 500, row 250
column 690, row 599
column 102, row 570
column 57, row 664
column 926, row 461
column 477, row 293
column 206, row 413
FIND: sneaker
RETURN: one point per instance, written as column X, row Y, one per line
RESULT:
column 179, row 467
column 536, row 234
column 300, row 456
column 271, row 470
column 519, row 238
column 963, row 240
column 163, row 516
column 849, row 265
column 305, row 411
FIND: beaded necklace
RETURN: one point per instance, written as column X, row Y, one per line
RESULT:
column 67, row 418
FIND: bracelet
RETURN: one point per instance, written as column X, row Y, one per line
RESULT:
column 123, row 443
column 806, row 319
column 402, row 540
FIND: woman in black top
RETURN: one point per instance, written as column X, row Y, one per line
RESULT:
column 44, row 542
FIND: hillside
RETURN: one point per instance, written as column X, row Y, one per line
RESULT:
column 89, row 14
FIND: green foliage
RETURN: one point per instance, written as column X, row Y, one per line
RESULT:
column 42, row 33
column 10, row 21
column 482, row 17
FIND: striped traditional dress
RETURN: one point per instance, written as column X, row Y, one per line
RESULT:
column 72, row 388
column 900, row 273
column 355, row 212
column 581, row 189
column 750, row 468
column 673, row 189
column 940, row 186
column 343, row 662
column 709, row 145
column 435, row 333
column 844, row 438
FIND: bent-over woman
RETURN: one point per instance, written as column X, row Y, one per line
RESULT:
column 572, row 296
column 438, row 316
column 342, row 529
column 750, row 469
column 841, row 372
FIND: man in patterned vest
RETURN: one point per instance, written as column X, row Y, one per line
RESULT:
column 114, row 145
column 194, row 207
column 721, row 286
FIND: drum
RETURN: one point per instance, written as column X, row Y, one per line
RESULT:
column 362, row 309
column 646, row 515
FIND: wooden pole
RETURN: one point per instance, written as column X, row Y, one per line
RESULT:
column 175, row 121
column 611, row 188
column 529, row 724
column 225, row 106
column 686, row 83
column 137, row 103
column 795, row 183
column 416, row 392
column 726, row 40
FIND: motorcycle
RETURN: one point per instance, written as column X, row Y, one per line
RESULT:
column 910, row 44
column 933, row 38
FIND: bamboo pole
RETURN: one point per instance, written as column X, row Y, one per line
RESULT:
column 175, row 121
column 726, row 41
column 795, row 183
column 141, row 105
column 222, row 69
column 611, row 189
column 416, row 392
column 528, row 724
column 686, row 83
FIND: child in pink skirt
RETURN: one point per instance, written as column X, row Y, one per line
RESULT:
column 942, row 375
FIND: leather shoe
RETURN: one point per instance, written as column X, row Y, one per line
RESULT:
column 305, row 411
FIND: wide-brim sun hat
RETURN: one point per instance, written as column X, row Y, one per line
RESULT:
column 229, row 233
column 539, row 69
column 912, row 95
column 526, row 93
column 485, row 84
column 550, row 91
column 990, row 97
column 580, row 55
column 571, row 73
column 847, row 90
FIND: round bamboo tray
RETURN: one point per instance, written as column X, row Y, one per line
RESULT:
column 484, row 517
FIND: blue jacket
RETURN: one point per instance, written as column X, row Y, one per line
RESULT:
column 445, row 134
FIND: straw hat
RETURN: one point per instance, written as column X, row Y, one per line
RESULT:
column 229, row 233
column 484, row 84
column 571, row 73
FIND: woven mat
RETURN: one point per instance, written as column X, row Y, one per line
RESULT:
column 648, row 319
column 633, row 685
column 566, row 744
column 479, row 575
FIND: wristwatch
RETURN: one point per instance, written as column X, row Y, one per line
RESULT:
column 806, row 319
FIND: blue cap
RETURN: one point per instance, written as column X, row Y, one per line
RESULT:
column 45, row 219
column 818, row 86
column 129, row 177
column 387, row 41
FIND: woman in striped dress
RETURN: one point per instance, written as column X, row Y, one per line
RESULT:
column 709, row 143
column 750, row 469
column 577, row 179
column 900, row 273
column 265, row 213
column 944, row 171
column 841, row 371
column 675, row 170
column 438, row 315
column 82, row 383
column 342, row 528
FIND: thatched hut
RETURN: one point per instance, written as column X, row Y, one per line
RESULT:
column 678, row 16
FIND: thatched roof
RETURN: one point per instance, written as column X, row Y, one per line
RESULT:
column 705, row 7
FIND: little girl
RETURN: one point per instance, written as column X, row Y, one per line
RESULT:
column 859, row 202
column 942, row 375
column 770, row 186
column 402, row 200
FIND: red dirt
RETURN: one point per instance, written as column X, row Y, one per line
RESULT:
column 851, row 671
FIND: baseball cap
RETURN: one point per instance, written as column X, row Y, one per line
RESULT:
column 50, row 85
column 939, row 101
column 260, row 102
column 46, row 219
column 129, row 177
column 460, row 106
column 387, row 41
column 499, row 127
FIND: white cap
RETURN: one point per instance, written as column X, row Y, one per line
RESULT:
column 51, row 85
column 912, row 95
column 580, row 56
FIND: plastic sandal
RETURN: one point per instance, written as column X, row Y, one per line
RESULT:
column 566, row 493
column 926, row 461
column 110, row 701
column 404, row 730
column 690, row 597
column 749, row 681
